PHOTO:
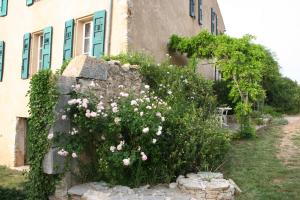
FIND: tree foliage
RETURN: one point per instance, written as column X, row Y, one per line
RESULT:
column 241, row 62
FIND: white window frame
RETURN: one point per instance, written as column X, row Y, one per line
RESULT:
column 40, row 51
column 90, row 38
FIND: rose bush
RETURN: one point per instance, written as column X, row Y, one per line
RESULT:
column 167, row 129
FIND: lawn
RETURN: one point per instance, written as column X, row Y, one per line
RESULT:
column 11, row 184
column 253, row 165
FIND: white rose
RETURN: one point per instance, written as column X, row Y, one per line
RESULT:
column 113, row 105
column 112, row 148
column 158, row 114
column 141, row 114
column 160, row 128
column 133, row 102
column 93, row 114
column 115, row 109
column 146, row 130
column 158, row 133
column 147, row 87
column 50, row 136
column 144, row 157
column 126, row 161
column 117, row 120
column 74, row 155
column 154, row 141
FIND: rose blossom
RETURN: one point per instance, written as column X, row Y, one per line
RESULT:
column 50, row 136
column 154, row 141
column 158, row 114
column 126, row 161
column 117, row 120
column 146, row 130
column 93, row 114
column 144, row 156
column 74, row 155
column 115, row 109
column 112, row 148
column 133, row 102
column 64, row 117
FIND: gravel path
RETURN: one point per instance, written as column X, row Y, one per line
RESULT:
column 288, row 150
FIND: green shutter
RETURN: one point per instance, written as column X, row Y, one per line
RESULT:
column 2, row 49
column 99, row 23
column 3, row 8
column 68, row 40
column 29, row 2
column 47, row 47
column 26, row 56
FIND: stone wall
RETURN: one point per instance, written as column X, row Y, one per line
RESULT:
column 103, row 79
column 201, row 186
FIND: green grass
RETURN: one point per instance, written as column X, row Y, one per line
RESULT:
column 11, row 184
column 253, row 165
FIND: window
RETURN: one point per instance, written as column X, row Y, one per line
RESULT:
column 200, row 12
column 87, row 38
column 40, row 51
column 192, row 8
column 2, row 49
column 212, row 21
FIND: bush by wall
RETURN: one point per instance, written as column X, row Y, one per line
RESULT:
column 167, row 130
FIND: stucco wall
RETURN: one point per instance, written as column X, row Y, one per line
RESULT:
column 136, row 25
column 22, row 19
column 151, row 23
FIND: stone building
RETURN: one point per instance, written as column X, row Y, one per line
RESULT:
column 41, row 34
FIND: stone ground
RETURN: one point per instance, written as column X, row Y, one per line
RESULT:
column 288, row 149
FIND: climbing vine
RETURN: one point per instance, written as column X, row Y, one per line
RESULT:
column 241, row 63
column 43, row 97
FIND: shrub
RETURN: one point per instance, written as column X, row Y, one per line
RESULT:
column 167, row 130
column 9, row 194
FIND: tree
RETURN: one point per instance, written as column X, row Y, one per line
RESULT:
column 241, row 63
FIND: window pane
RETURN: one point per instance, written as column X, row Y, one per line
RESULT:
column 40, row 51
column 41, row 41
column 86, row 46
column 87, row 31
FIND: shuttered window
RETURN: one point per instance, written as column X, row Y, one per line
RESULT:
column 192, row 8
column 2, row 49
column 47, row 48
column 200, row 12
column 29, row 2
column 68, row 40
column 212, row 21
column 99, row 24
column 26, row 56
column 3, row 8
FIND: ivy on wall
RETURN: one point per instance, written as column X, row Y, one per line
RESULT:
column 43, row 97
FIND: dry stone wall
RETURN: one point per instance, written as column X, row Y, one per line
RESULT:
column 201, row 186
